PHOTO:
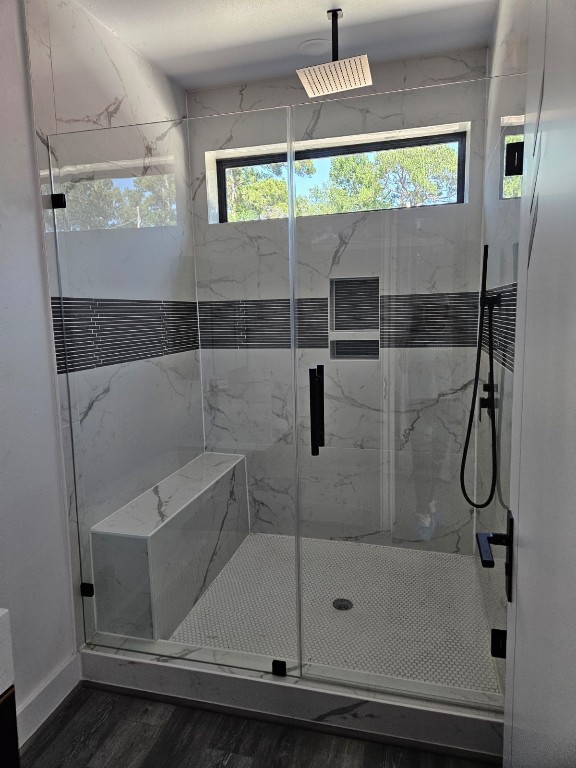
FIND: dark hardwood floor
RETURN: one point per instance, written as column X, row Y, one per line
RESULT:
column 98, row 729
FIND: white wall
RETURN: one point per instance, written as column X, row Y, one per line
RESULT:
column 34, row 559
column 542, row 680
column 81, row 76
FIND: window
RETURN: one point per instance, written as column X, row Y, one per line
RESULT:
column 403, row 173
column 511, row 186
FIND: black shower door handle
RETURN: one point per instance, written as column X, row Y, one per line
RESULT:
column 316, row 376
column 485, row 542
column 320, row 379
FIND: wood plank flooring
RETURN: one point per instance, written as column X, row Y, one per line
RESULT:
column 98, row 729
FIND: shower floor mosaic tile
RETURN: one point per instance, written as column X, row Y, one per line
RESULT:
column 415, row 615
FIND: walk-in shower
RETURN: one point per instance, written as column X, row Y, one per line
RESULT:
column 266, row 339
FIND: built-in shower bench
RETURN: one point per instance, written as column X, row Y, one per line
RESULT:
column 154, row 557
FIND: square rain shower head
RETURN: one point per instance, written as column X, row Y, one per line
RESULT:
column 336, row 76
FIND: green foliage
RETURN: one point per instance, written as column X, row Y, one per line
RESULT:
column 512, row 185
column 397, row 178
column 100, row 204
column 154, row 199
column 256, row 192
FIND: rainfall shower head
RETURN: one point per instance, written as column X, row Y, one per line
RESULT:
column 339, row 74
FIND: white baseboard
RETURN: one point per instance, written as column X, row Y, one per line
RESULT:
column 40, row 704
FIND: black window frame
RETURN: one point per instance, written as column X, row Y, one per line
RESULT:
column 460, row 137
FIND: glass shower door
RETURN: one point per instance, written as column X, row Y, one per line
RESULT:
column 388, row 193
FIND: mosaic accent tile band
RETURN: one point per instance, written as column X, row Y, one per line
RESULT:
column 429, row 320
column 245, row 324
column 91, row 333
column 504, row 325
column 262, row 324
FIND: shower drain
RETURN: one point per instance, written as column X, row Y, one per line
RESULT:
column 341, row 604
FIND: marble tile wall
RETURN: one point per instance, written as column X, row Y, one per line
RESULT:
column 417, row 72
column 422, row 392
column 83, row 76
column 379, row 475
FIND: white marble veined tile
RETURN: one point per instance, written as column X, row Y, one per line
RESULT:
column 68, row 398
column 124, row 264
column 114, row 438
column 145, row 666
column 191, row 550
column 509, row 50
column 430, row 397
column 272, row 488
column 432, row 250
column 98, row 80
column 247, row 260
column 122, row 587
column 389, row 76
column 247, row 397
column 429, row 510
column 153, row 558
column 339, row 493
column 331, row 246
column 353, row 400
column 38, row 31
column 421, row 107
column 152, row 509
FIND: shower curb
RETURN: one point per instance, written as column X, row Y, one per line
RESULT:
column 470, row 733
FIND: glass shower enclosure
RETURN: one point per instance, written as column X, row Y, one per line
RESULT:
column 265, row 381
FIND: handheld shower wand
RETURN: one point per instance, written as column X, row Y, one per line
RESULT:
column 489, row 402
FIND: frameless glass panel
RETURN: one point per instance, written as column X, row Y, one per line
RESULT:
column 501, row 234
column 173, row 339
column 391, row 596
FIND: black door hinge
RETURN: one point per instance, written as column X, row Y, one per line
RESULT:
column 54, row 201
column 279, row 668
column 498, row 643
column 87, row 589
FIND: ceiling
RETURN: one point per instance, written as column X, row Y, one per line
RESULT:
column 205, row 43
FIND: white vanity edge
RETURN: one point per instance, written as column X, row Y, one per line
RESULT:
column 6, row 662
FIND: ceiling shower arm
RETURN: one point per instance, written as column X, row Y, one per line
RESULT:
column 335, row 14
